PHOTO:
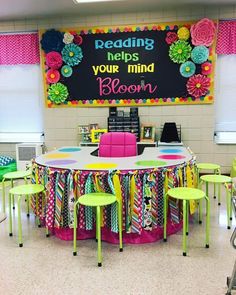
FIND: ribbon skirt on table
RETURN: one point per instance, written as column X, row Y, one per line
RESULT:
column 142, row 193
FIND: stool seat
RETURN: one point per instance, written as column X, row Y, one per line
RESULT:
column 186, row 193
column 23, row 190
column 17, row 174
column 221, row 179
column 97, row 199
column 208, row 166
column 26, row 189
column 214, row 178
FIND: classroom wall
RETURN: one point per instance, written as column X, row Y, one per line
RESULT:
column 197, row 121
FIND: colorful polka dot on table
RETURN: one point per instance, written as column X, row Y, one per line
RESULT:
column 61, row 162
column 70, row 150
column 170, row 151
column 57, row 156
column 101, row 166
column 171, row 157
column 150, row 163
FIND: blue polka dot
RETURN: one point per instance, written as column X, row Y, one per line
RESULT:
column 70, row 150
column 170, row 151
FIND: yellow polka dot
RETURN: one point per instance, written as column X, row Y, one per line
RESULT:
column 101, row 166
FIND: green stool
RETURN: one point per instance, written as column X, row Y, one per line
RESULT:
column 186, row 194
column 98, row 200
column 221, row 179
column 215, row 168
column 13, row 176
column 21, row 190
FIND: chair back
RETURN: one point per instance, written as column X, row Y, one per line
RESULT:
column 117, row 144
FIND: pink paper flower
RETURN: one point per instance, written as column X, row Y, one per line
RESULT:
column 203, row 32
column 171, row 37
column 198, row 85
column 206, row 68
column 53, row 76
column 54, row 60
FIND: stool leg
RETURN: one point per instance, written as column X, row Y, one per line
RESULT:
column 200, row 212
column 165, row 215
column 229, row 209
column 214, row 194
column 98, row 223
column 207, row 221
column 10, row 215
column 187, row 217
column 3, row 196
column 28, row 207
column 13, row 197
column 230, row 203
column 19, row 222
column 75, row 228
column 219, row 194
column 119, row 208
column 184, row 227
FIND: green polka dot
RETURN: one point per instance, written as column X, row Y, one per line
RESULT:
column 151, row 163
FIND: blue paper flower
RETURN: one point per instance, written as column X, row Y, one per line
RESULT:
column 66, row 71
column 72, row 54
column 187, row 69
column 199, row 54
column 52, row 40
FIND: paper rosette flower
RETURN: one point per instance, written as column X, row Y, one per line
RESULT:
column 72, row 54
column 53, row 76
column 52, row 41
column 68, row 38
column 198, row 85
column 171, row 37
column 183, row 33
column 199, row 54
column 66, row 71
column 187, row 69
column 78, row 39
column 58, row 93
column 54, row 60
column 203, row 32
column 180, row 51
column 206, row 68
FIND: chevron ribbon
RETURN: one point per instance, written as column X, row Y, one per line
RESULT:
column 59, row 189
column 71, row 200
column 136, row 224
column 154, row 202
column 88, row 210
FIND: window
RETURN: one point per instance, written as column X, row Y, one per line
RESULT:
column 20, row 99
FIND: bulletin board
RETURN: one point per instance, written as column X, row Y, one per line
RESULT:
column 153, row 64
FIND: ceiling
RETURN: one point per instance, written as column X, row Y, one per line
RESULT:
column 30, row 9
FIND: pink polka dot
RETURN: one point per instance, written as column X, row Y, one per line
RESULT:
column 171, row 157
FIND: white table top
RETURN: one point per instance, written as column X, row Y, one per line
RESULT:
column 80, row 158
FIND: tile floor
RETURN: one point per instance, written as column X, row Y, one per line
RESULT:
column 47, row 266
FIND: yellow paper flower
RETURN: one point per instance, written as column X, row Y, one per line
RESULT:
column 183, row 33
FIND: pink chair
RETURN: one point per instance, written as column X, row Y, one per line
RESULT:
column 117, row 144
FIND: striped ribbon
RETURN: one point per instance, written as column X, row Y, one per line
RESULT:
column 59, row 189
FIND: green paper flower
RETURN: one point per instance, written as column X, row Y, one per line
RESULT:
column 187, row 69
column 180, row 51
column 72, row 54
column 58, row 93
column 66, row 71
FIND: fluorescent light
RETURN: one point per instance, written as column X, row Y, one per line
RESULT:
column 21, row 137
column 92, row 1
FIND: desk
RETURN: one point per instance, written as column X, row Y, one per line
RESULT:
column 72, row 171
